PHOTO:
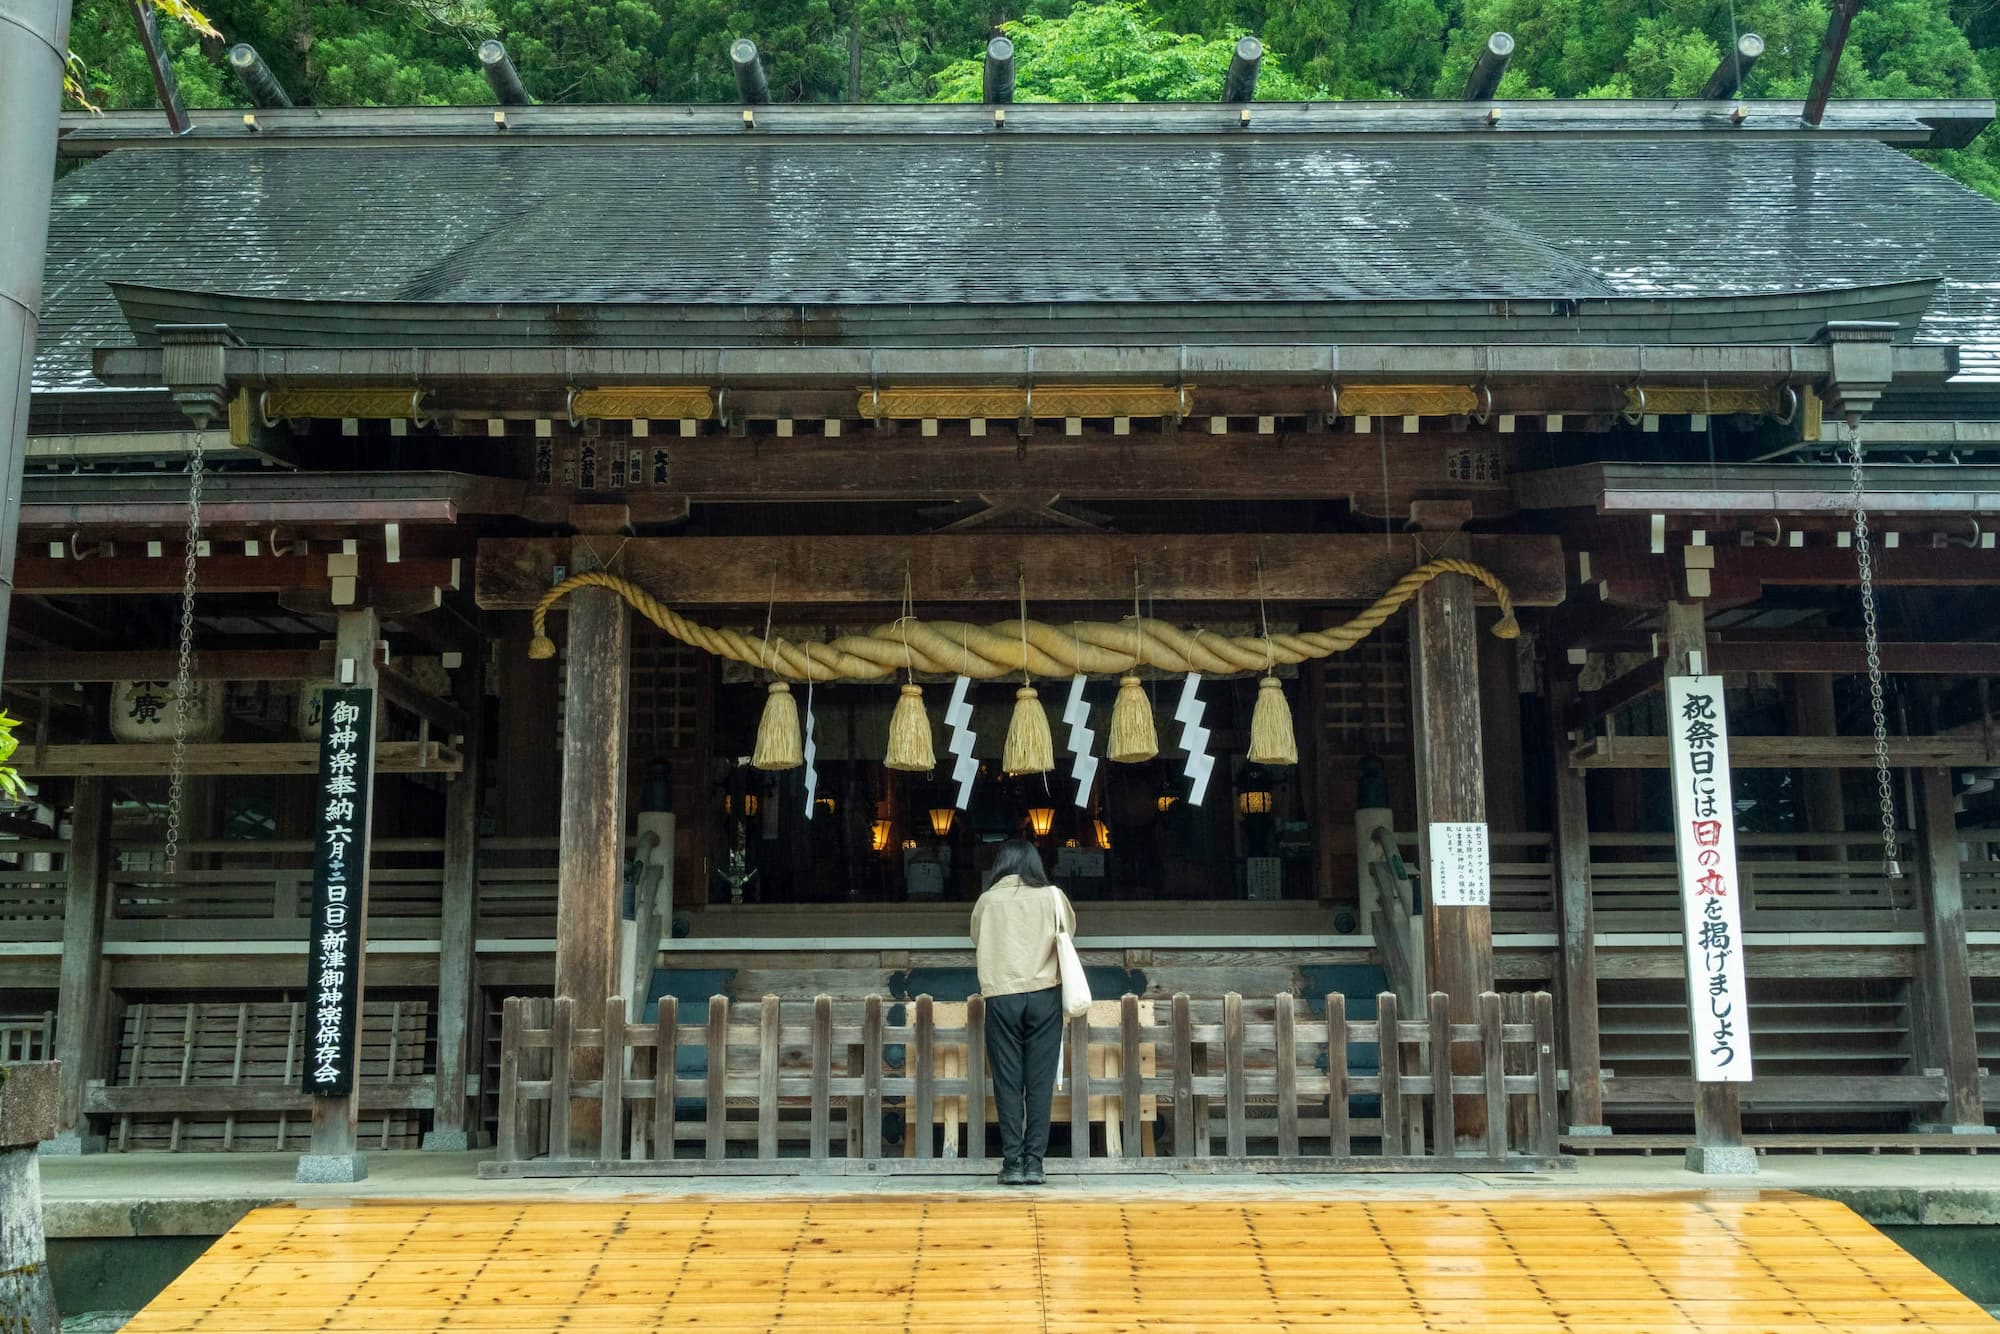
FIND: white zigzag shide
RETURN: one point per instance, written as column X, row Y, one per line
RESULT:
column 1194, row 738
column 1077, row 714
column 958, row 720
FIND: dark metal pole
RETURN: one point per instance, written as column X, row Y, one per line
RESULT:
column 998, row 83
column 164, row 82
column 751, row 85
column 1241, row 85
column 508, row 90
column 1734, row 69
column 1828, row 63
column 256, row 76
column 1487, row 71
column 34, row 34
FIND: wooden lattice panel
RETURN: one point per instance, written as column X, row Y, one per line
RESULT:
column 1055, row 1260
column 1365, row 694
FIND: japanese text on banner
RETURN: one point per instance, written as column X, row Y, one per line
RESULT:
column 1705, row 853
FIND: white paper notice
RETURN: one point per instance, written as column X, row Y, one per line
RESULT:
column 1461, row 868
column 1705, row 848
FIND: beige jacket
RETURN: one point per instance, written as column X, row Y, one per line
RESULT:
column 1014, row 937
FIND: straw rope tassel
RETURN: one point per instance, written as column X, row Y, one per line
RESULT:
column 1272, row 740
column 990, row 653
column 1030, row 748
column 910, row 748
column 1133, row 739
column 780, row 743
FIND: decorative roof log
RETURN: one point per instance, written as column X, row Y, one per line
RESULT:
column 1487, row 71
column 508, row 89
column 751, row 85
column 1241, row 85
column 1828, row 63
column 997, row 84
column 1734, row 69
column 256, row 77
column 164, row 82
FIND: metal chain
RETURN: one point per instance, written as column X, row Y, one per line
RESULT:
column 1865, row 563
column 177, row 770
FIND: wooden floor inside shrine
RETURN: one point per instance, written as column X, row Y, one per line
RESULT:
column 1050, row 1262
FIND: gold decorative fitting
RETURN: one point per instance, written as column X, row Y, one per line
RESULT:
column 1670, row 400
column 1043, row 401
column 1408, row 400
column 389, row 404
column 1815, row 416
column 240, row 420
column 642, row 402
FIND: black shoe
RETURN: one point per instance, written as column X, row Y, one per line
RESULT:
column 1012, row 1174
column 1031, row 1173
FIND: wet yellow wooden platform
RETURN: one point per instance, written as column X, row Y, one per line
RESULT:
column 1044, row 1262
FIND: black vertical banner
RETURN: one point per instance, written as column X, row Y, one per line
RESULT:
column 333, row 950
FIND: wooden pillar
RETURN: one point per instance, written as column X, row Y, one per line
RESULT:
column 80, row 1001
column 526, row 784
column 334, row 1154
column 1451, row 787
column 1718, row 1111
column 1948, row 967
column 1500, row 729
column 593, row 827
column 458, row 964
column 1813, row 715
column 1576, row 928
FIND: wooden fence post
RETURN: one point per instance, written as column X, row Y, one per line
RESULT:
column 1234, row 1101
column 975, row 1080
column 1286, row 1055
column 1493, row 1062
column 1548, row 1138
column 923, row 1112
column 822, row 1077
column 1444, row 1138
column 666, row 1053
column 507, row 1141
column 1131, row 1144
column 1340, row 1141
column 716, row 1090
column 1389, row 1063
column 1079, row 1088
column 611, row 1110
column 871, row 1078
column 562, row 1038
column 1183, row 1040
column 458, row 1023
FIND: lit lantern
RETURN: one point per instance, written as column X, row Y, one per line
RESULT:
column 878, row 835
column 1041, row 819
column 1254, row 803
column 941, row 818
column 1103, row 832
column 827, row 804
column 1167, row 801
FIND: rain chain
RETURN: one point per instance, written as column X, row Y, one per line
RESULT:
column 1865, row 563
column 177, row 770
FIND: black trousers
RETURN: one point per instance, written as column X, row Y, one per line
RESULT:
column 1023, row 1043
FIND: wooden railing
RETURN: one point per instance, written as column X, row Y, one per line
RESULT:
column 34, row 879
column 806, row 1086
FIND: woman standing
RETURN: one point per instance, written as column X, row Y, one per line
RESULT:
column 1014, row 937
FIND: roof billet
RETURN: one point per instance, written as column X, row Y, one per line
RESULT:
column 1912, row 123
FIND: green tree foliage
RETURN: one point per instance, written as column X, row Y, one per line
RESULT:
column 420, row 51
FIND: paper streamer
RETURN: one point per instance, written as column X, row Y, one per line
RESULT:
column 1077, row 714
column 810, row 750
column 1194, row 738
column 958, row 720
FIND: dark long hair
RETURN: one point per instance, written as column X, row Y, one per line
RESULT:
column 1018, row 857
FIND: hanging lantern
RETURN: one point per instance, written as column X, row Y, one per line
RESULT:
column 1041, row 819
column 941, row 818
column 1103, row 834
column 878, row 836
column 1254, row 803
column 146, row 711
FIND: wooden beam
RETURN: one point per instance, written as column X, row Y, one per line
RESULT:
column 222, row 574
column 454, row 1125
column 1947, row 960
column 1451, row 786
column 400, row 691
column 1718, row 1109
column 1578, row 935
column 983, row 567
column 81, row 996
column 58, row 668
column 1792, row 752
column 1741, row 574
column 1841, row 657
column 139, row 759
column 592, row 837
column 1585, row 711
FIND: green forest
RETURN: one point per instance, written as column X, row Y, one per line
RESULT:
column 361, row 52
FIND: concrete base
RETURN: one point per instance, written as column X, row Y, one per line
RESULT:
column 1941, row 1129
column 71, row 1144
column 1735, row 1160
column 1583, row 1132
column 448, row 1141
column 324, row 1168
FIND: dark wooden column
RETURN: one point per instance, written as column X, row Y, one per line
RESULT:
column 334, row 1154
column 1948, row 967
column 1500, row 728
column 80, row 1000
column 593, row 825
column 458, row 963
column 1813, row 715
column 525, row 784
column 1718, row 1112
column 1458, row 942
column 1575, row 927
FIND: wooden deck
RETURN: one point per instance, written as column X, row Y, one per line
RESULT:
column 1012, row 1260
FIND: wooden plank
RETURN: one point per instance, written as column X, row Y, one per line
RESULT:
column 507, row 1133
column 1183, row 1043
column 80, row 990
column 1493, row 1057
column 1794, row 752
column 666, row 1052
column 1234, row 1101
column 1832, row 1090
column 986, row 567
column 1079, row 1087
column 871, row 1078
column 1444, row 1132
column 296, row 1011
column 1339, row 1134
column 102, row 575
column 562, row 1065
column 975, row 1079
column 716, row 1091
column 822, row 1077
column 1547, row 1138
column 1395, row 1141
column 1286, row 1054
column 611, row 1103
column 214, row 664
column 769, row 1050
column 141, row 759
column 459, row 1035
column 1451, row 786
column 922, row 1040
column 183, row 1102
column 187, row 1055
column 1946, row 952
column 1130, row 1139
column 1577, row 970
column 236, row 1071
column 590, row 856
column 1838, row 657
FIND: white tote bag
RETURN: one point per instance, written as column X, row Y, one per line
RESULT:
column 1075, row 986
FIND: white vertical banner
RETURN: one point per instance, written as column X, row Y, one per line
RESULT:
column 1705, row 853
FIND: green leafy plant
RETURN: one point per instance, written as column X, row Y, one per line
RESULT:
column 12, row 786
